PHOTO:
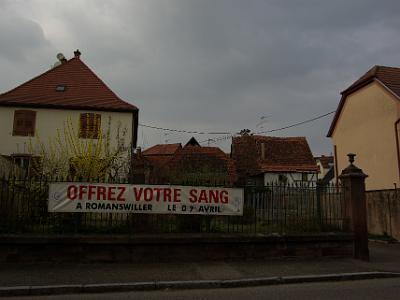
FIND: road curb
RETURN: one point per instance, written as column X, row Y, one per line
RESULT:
column 189, row 284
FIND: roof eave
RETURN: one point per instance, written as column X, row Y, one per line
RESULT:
column 5, row 102
column 344, row 94
column 289, row 171
column 71, row 107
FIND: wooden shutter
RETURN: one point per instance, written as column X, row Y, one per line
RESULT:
column 83, row 125
column 89, row 127
column 24, row 123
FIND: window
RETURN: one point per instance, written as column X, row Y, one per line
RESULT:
column 89, row 126
column 30, row 165
column 22, row 161
column 24, row 123
column 60, row 88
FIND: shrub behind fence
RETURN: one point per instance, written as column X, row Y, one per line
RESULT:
column 274, row 208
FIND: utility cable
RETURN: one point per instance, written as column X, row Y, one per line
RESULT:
column 229, row 134
column 299, row 123
column 182, row 131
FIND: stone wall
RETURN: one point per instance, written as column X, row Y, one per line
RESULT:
column 383, row 209
column 162, row 248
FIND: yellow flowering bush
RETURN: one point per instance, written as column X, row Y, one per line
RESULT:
column 68, row 155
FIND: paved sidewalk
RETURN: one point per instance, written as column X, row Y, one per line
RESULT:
column 384, row 258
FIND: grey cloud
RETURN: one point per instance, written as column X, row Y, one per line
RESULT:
column 220, row 65
column 19, row 36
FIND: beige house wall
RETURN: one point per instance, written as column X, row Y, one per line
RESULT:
column 366, row 127
column 49, row 120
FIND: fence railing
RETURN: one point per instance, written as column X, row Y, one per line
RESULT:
column 274, row 208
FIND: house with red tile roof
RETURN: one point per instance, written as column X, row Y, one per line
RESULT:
column 177, row 164
column 264, row 159
column 68, row 91
column 367, row 123
column 150, row 165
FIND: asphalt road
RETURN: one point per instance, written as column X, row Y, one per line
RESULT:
column 377, row 289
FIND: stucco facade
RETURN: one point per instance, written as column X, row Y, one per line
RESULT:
column 49, row 120
column 67, row 99
column 366, row 127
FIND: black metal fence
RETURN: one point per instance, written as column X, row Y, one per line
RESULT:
column 274, row 208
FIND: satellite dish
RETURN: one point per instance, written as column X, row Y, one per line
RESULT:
column 56, row 64
column 60, row 57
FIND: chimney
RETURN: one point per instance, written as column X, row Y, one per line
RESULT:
column 77, row 53
column 262, row 150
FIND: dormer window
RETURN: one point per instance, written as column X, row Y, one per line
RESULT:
column 60, row 88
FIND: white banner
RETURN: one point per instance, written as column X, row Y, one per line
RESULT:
column 148, row 199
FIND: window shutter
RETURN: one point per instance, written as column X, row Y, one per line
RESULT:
column 30, row 119
column 96, row 127
column 89, row 125
column 24, row 123
column 18, row 122
column 83, row 126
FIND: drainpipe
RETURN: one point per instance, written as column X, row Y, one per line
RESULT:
column 397, row 144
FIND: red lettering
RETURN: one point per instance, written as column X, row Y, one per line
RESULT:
column 167, row 195
column 203, row 196
column 177, row 195
column 158, row 193
column 111, row 193
column 214, row 196
column 138, row 193
column 101, row 191
column 148, row 194
column 82, row 191
column 224, row 197
column 120, row 196
column 72, row 192
column 91, row 191
column 193, row 196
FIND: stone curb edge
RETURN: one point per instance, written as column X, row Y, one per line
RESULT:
column 190, row 284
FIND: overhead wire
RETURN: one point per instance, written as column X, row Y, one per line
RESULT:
column 228, row 135
column 299, row 123
column 182, row 131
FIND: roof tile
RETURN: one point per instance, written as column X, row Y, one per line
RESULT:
column 84, row 90
column 326, row 161
column 389, row 76
column 162, row 149
column 282, row 154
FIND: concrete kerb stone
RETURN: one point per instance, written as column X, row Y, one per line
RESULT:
column 55, row 289
column 338, row 277
column 189, row 284
column 14, row 291
column 40, row 290
column 119, row 287
column 250, row 282
column 194, row 284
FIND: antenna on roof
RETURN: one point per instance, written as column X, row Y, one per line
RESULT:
column 77, row 53
column 61, row 57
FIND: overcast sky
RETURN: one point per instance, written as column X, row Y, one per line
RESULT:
column 209, row 65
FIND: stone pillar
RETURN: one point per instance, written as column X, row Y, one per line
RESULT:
column 353, row 180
